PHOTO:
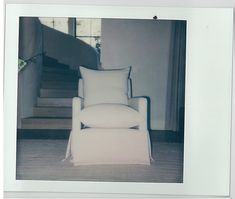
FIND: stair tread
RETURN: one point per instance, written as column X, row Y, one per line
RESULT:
column 51, row 98
column 51, row 62
column 58, row 81
column 54, row 69
column 47, row 118
column 55, row 74
column 46, row 123
column 53, row 107
column 52, row 112
column 57, row 89
column 54, row 102
column 61, row 93
column 55, row 97
column 65, row 78
column 59, row 85
column 56, row 66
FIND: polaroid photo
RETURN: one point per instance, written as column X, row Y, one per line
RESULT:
column 126, row 100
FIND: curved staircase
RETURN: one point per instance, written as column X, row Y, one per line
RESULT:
column 53, row 109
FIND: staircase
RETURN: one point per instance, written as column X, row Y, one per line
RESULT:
column 53, row 109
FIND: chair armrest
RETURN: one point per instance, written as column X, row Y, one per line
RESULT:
column 77, row 105
column 140, row 105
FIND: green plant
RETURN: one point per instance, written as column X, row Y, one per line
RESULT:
column 21, row 64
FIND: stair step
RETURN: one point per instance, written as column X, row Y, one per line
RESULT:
column 61, row 77
column 53, row 93
column 56, row 66
column 46, row 123
column 59, row 85
column 54, row 102
column 53, row 63
column 52, row 112
column 58, row 70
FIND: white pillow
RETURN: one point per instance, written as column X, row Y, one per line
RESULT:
column 105, row 86
column 110, row 116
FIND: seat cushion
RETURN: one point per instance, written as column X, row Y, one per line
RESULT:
column 110, row 116
column 105, row 86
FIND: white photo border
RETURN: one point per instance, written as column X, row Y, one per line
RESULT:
column 208, row 99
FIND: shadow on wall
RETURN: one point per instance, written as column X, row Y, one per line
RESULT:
column 151, row 48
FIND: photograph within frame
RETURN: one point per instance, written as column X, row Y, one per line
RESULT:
column 202, row 30
column 50, row 53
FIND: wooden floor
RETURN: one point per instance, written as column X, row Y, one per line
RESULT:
column 41, row 159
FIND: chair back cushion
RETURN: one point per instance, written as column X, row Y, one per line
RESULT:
column 110, row 116
column 105, row 86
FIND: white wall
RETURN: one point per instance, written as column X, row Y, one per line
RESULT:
column 30, row 44
column 144, row 45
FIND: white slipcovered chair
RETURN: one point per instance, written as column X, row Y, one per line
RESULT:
column 108, row 133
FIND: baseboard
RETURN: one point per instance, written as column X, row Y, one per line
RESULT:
column 166, row 136
column 42, row 134
column 155, row 135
